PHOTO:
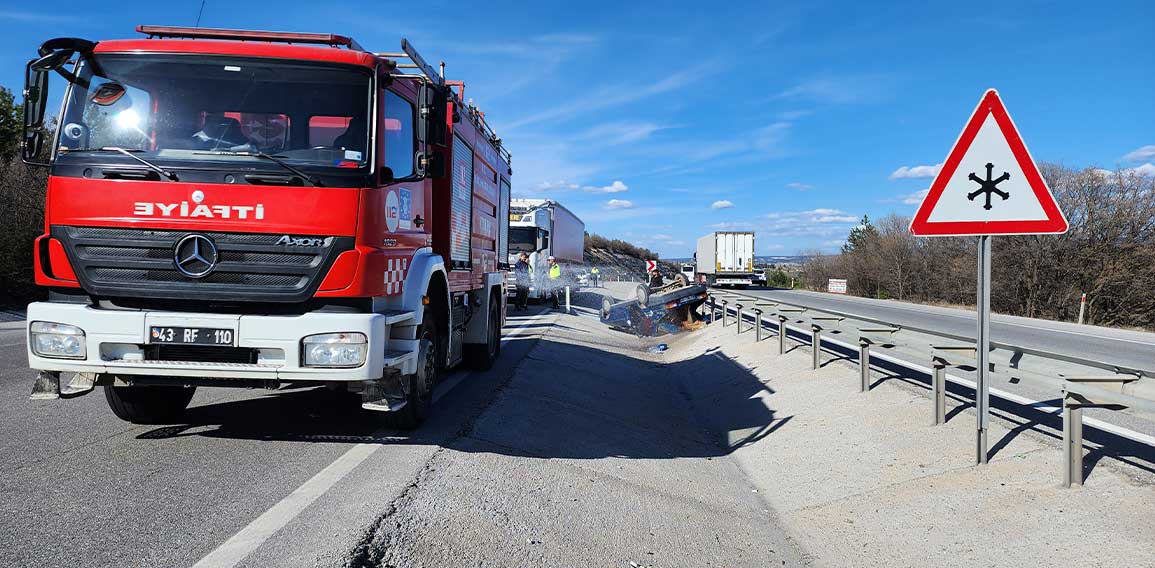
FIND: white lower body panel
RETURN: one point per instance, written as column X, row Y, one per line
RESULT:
column 116, row 339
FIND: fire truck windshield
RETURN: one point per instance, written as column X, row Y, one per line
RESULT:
column 189, row 109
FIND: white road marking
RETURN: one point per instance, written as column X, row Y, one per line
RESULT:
column 242, row 544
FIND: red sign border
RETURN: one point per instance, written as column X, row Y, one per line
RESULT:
column 1055, row 222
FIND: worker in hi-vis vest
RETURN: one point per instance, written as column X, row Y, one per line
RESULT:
column 554, row 282
column 595, row 274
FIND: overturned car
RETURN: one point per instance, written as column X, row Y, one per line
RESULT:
column 656, row 310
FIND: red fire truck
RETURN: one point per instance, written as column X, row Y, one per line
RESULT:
column 252, row 209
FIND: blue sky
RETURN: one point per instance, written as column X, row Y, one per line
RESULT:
column 657, row 125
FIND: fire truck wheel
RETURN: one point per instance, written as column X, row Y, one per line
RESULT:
column 148, row 405
column 482, row 356
column 419, row 385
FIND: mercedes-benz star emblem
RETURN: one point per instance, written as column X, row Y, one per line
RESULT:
column 195, row 256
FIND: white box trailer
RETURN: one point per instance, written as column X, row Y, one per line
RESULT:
column 726, row 258
column 545, row 228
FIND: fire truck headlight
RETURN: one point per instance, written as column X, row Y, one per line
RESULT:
column 334, row 350
column 57, row 340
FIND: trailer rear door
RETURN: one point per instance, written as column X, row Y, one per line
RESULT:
column 735, row 251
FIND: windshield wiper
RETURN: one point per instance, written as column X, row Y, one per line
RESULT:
column 275, row 159
column 163, row 172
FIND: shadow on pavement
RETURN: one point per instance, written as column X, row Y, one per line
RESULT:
column 565, row 401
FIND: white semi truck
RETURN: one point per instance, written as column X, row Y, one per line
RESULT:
column 725, row 258
column 545, row 228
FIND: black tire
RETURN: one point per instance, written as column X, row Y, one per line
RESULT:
column 148, row 405
column 607, row 303
column 482, row 356
column 419, row 385
column 643, row 295
column 682, row 279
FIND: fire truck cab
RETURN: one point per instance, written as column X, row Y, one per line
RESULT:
column 252, row 209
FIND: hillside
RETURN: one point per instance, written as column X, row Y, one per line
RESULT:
column 617, row 259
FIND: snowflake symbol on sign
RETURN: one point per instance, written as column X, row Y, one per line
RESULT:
column 989, row 186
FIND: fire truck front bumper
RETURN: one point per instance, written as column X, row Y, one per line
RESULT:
column 343, row 347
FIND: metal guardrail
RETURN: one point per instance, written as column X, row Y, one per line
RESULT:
column 1135, row 387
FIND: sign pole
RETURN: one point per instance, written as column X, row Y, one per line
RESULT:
column 983, row 347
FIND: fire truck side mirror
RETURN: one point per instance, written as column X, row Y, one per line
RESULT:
column 35, row 98
column 432, row 103
column 434, row 165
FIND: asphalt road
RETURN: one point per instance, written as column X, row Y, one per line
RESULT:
column 79, row 487
column 1134, row 349
column 578, row 449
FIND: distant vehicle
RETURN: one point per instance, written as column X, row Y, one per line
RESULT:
column 759, row 277
column 688, row 269
column 725, row 258
column 545, row 228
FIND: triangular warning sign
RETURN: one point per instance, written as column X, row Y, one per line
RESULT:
column 988, row 185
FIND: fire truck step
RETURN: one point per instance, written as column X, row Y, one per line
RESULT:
column 395, row 357
column 397, row 316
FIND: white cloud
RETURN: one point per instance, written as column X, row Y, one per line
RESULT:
column 1144, row 153
column 840, row 90
column 559, row 185
column 619, row 204
column 615, row 187
column 722, row 204
column 730, row 225
column 800, row 186
column 34, row 17
column 913, row 172
column 834, row 219
column 661, row 237
column 614, row 95
column 562, row 185
column 616, row 133
column 1145, row 170
column 822, row 222
column 914, row 198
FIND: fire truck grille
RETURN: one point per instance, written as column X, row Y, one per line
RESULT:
column 141, row 263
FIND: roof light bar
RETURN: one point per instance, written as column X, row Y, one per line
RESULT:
column 249, row 35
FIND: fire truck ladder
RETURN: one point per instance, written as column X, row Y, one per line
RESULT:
column 437, row 77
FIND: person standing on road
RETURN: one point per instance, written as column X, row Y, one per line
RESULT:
column 523, row 275
column 595, row 276
column 554, row 281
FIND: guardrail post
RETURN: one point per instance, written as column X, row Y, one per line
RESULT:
column 1072, row 440
column 864, row 363
column 757, row 324
column 713, row 307
column 815, row 345
column 738, row 310
column 724, row 302
column 781, row 334
column 938, row 390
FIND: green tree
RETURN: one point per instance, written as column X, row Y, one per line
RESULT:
column 860, row 237
column 11, row 125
